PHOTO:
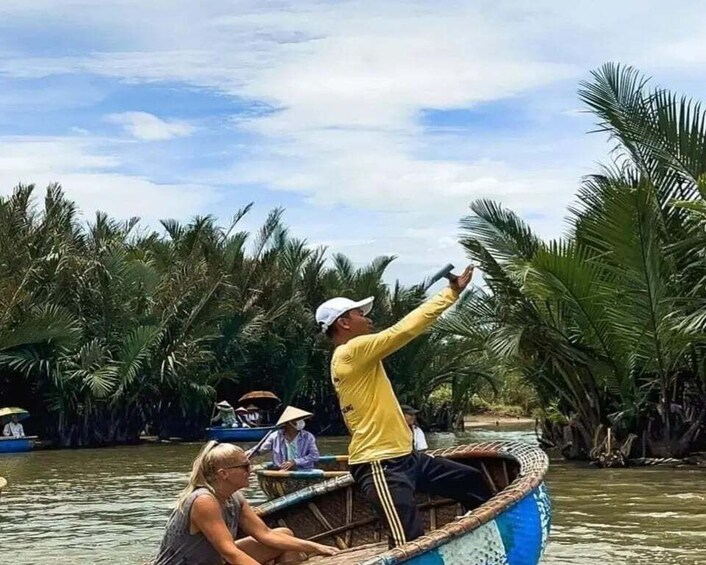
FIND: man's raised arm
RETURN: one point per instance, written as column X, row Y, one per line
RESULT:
column 379, row 345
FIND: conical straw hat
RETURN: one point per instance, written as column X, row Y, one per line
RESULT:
column 291, row 414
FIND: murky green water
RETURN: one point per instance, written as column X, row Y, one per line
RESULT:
column 110, row 505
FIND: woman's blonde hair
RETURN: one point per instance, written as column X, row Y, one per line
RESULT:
column 212, row 457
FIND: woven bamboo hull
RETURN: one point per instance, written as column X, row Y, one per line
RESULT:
column 16, row 445
column 278, row 483
column 510, row 529
column 237, row 434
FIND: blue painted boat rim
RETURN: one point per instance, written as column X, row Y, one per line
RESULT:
column 268, row 469
column 332, row 458
column 229, row 428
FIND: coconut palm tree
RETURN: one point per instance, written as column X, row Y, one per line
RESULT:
column 605, row 322
column 106, row 328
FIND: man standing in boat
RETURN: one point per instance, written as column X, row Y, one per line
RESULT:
column 382, row 461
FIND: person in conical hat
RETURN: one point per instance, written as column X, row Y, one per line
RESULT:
column 241, row 415
column 253, row 416
column 292, row 446
column 226, row 415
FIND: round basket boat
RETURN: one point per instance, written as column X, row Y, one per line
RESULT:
column 278, row 483
column 511, row 528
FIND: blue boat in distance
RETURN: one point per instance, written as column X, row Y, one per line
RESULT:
column 16, row 445
column 225, row 433
column 12, row 443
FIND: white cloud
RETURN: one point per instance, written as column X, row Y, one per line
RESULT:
column 349, row 81
column 148, row 127
column 91, row 179
column 24, row 156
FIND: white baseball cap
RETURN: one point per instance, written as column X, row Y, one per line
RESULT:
column 331, row 310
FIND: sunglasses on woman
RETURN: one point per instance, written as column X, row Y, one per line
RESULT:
column 248, row 465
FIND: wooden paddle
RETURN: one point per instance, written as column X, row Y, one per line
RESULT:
column 254, row 451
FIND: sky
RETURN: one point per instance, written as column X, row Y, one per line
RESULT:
column 374, row 124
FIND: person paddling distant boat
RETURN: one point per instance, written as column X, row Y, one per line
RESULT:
column 292, row 446
column 381, row 459
column 230, row 418
column 226, row 415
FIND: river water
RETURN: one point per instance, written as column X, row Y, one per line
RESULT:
column 110, row 506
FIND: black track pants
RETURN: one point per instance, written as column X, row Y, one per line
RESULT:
column 390, row 485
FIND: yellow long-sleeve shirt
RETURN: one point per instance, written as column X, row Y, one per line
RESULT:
column 368, row 403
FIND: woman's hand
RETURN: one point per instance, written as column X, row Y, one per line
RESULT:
column 251, row 524
column 287, row 466
column 321, row 549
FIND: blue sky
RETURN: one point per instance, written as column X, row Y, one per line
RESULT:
column 374, row 124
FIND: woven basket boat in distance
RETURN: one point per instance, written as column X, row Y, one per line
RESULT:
column 278, row 483
column 512, row 528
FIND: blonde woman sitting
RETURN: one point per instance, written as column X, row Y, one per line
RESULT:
column 210, row 512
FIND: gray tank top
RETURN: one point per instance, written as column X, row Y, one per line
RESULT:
column 180, row 547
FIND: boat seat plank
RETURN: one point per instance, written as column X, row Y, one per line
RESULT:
column 349, row 556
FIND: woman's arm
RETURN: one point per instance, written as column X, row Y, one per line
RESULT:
column 207, row 518
column 252, row 525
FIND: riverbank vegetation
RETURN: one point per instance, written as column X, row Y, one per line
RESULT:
column 108, row 328
column 607, row 324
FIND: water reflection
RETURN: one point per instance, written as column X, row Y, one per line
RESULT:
column 110, row 505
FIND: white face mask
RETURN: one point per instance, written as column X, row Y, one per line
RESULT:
column 299, row 424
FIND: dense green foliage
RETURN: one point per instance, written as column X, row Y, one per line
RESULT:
column 607, row 324
column 106, row 328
